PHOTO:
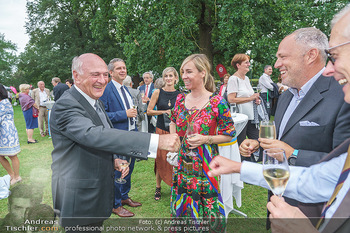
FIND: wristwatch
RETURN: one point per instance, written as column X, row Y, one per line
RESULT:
column 293, row 158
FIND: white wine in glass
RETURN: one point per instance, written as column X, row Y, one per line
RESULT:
column 122, row 167
column 276, row 170
column 267, row 130
column 192, row 130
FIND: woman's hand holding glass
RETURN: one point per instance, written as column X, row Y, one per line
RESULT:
column 192, row 137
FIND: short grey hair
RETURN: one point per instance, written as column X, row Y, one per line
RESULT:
column 77, row 64
column 159, row 83
column 312, row 38
column 267, row 66
column 338, row 16
column 150, row 74
column 56, row 80
column 127, row 81
column 114, row 60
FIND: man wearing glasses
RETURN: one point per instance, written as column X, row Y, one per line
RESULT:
column 326, row 182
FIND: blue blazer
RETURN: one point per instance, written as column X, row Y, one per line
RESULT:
column 114, row 107
column 143, row 87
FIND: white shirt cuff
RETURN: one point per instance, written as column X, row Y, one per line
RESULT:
column 252, row 173
column 153, row 146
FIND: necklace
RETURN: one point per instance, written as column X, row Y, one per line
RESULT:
column 169, row 103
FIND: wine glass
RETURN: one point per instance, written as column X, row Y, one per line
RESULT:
column 276, row 170
column 142, row 93
column 267, row 130
column 192, row 130
column 233, row 109
column 122, row 167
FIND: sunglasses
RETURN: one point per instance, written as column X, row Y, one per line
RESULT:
column 329, row 55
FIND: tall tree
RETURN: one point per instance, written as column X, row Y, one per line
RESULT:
column 7, row 60
column 154, row 34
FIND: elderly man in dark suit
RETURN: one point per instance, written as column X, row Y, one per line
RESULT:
column 147, row 89
column 84, row 145
column 58, row 88
column 327, row 181
column 311, row 117
column 118, row 105
column 137, row 99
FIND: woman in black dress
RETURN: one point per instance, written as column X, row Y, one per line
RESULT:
column 164, row 98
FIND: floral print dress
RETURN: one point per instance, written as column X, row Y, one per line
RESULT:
column 195, row 194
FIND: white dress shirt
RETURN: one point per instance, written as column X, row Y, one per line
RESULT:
column 131, row 103
column 43, row 97
column 306, row 184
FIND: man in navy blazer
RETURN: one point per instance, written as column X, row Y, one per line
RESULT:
column 119, row 104
column 58, row 88
column 147, row 88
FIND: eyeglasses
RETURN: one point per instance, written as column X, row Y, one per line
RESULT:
column 329, row 55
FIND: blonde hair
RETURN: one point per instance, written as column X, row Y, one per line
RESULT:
column 24, row 87
column 173, row 70
column 201, row 62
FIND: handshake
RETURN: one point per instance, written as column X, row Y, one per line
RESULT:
column 169, row 142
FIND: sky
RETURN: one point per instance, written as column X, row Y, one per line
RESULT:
column 12, row 20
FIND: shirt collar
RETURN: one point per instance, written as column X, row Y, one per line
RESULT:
column 116, row 84
column 306, row 87
column 88, row 98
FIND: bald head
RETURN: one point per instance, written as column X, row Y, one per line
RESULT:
column 90, row 74
column 41, row 85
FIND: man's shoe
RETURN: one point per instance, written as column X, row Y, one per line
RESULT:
column 122, row 212
column 131, row 203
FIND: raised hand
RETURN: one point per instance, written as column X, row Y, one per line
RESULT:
column 221, row 165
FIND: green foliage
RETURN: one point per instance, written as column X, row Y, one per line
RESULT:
column 7, row 60
column 154, row 34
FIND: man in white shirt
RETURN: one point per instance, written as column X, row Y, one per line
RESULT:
column 265, row 87
column 40, row 96
column 316, row 183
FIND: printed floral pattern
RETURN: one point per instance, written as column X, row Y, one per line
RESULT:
column 194, row 193
column 9, row 144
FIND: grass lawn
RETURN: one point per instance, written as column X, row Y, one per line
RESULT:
column 35, row 162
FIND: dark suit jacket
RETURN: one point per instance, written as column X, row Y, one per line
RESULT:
column 82, row 159
column 141, row 108
column 114, row 107
column 323, row 104
column 340, row 221
column 143, row 87
column 59, row 89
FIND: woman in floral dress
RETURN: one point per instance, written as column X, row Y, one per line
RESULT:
column 194, row 194
column 9, row 143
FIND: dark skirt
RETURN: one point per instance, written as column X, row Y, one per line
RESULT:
column 31, row 122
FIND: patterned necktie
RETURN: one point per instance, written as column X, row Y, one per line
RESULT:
column 344, row 174
column 126, row 102
column 102, row 115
